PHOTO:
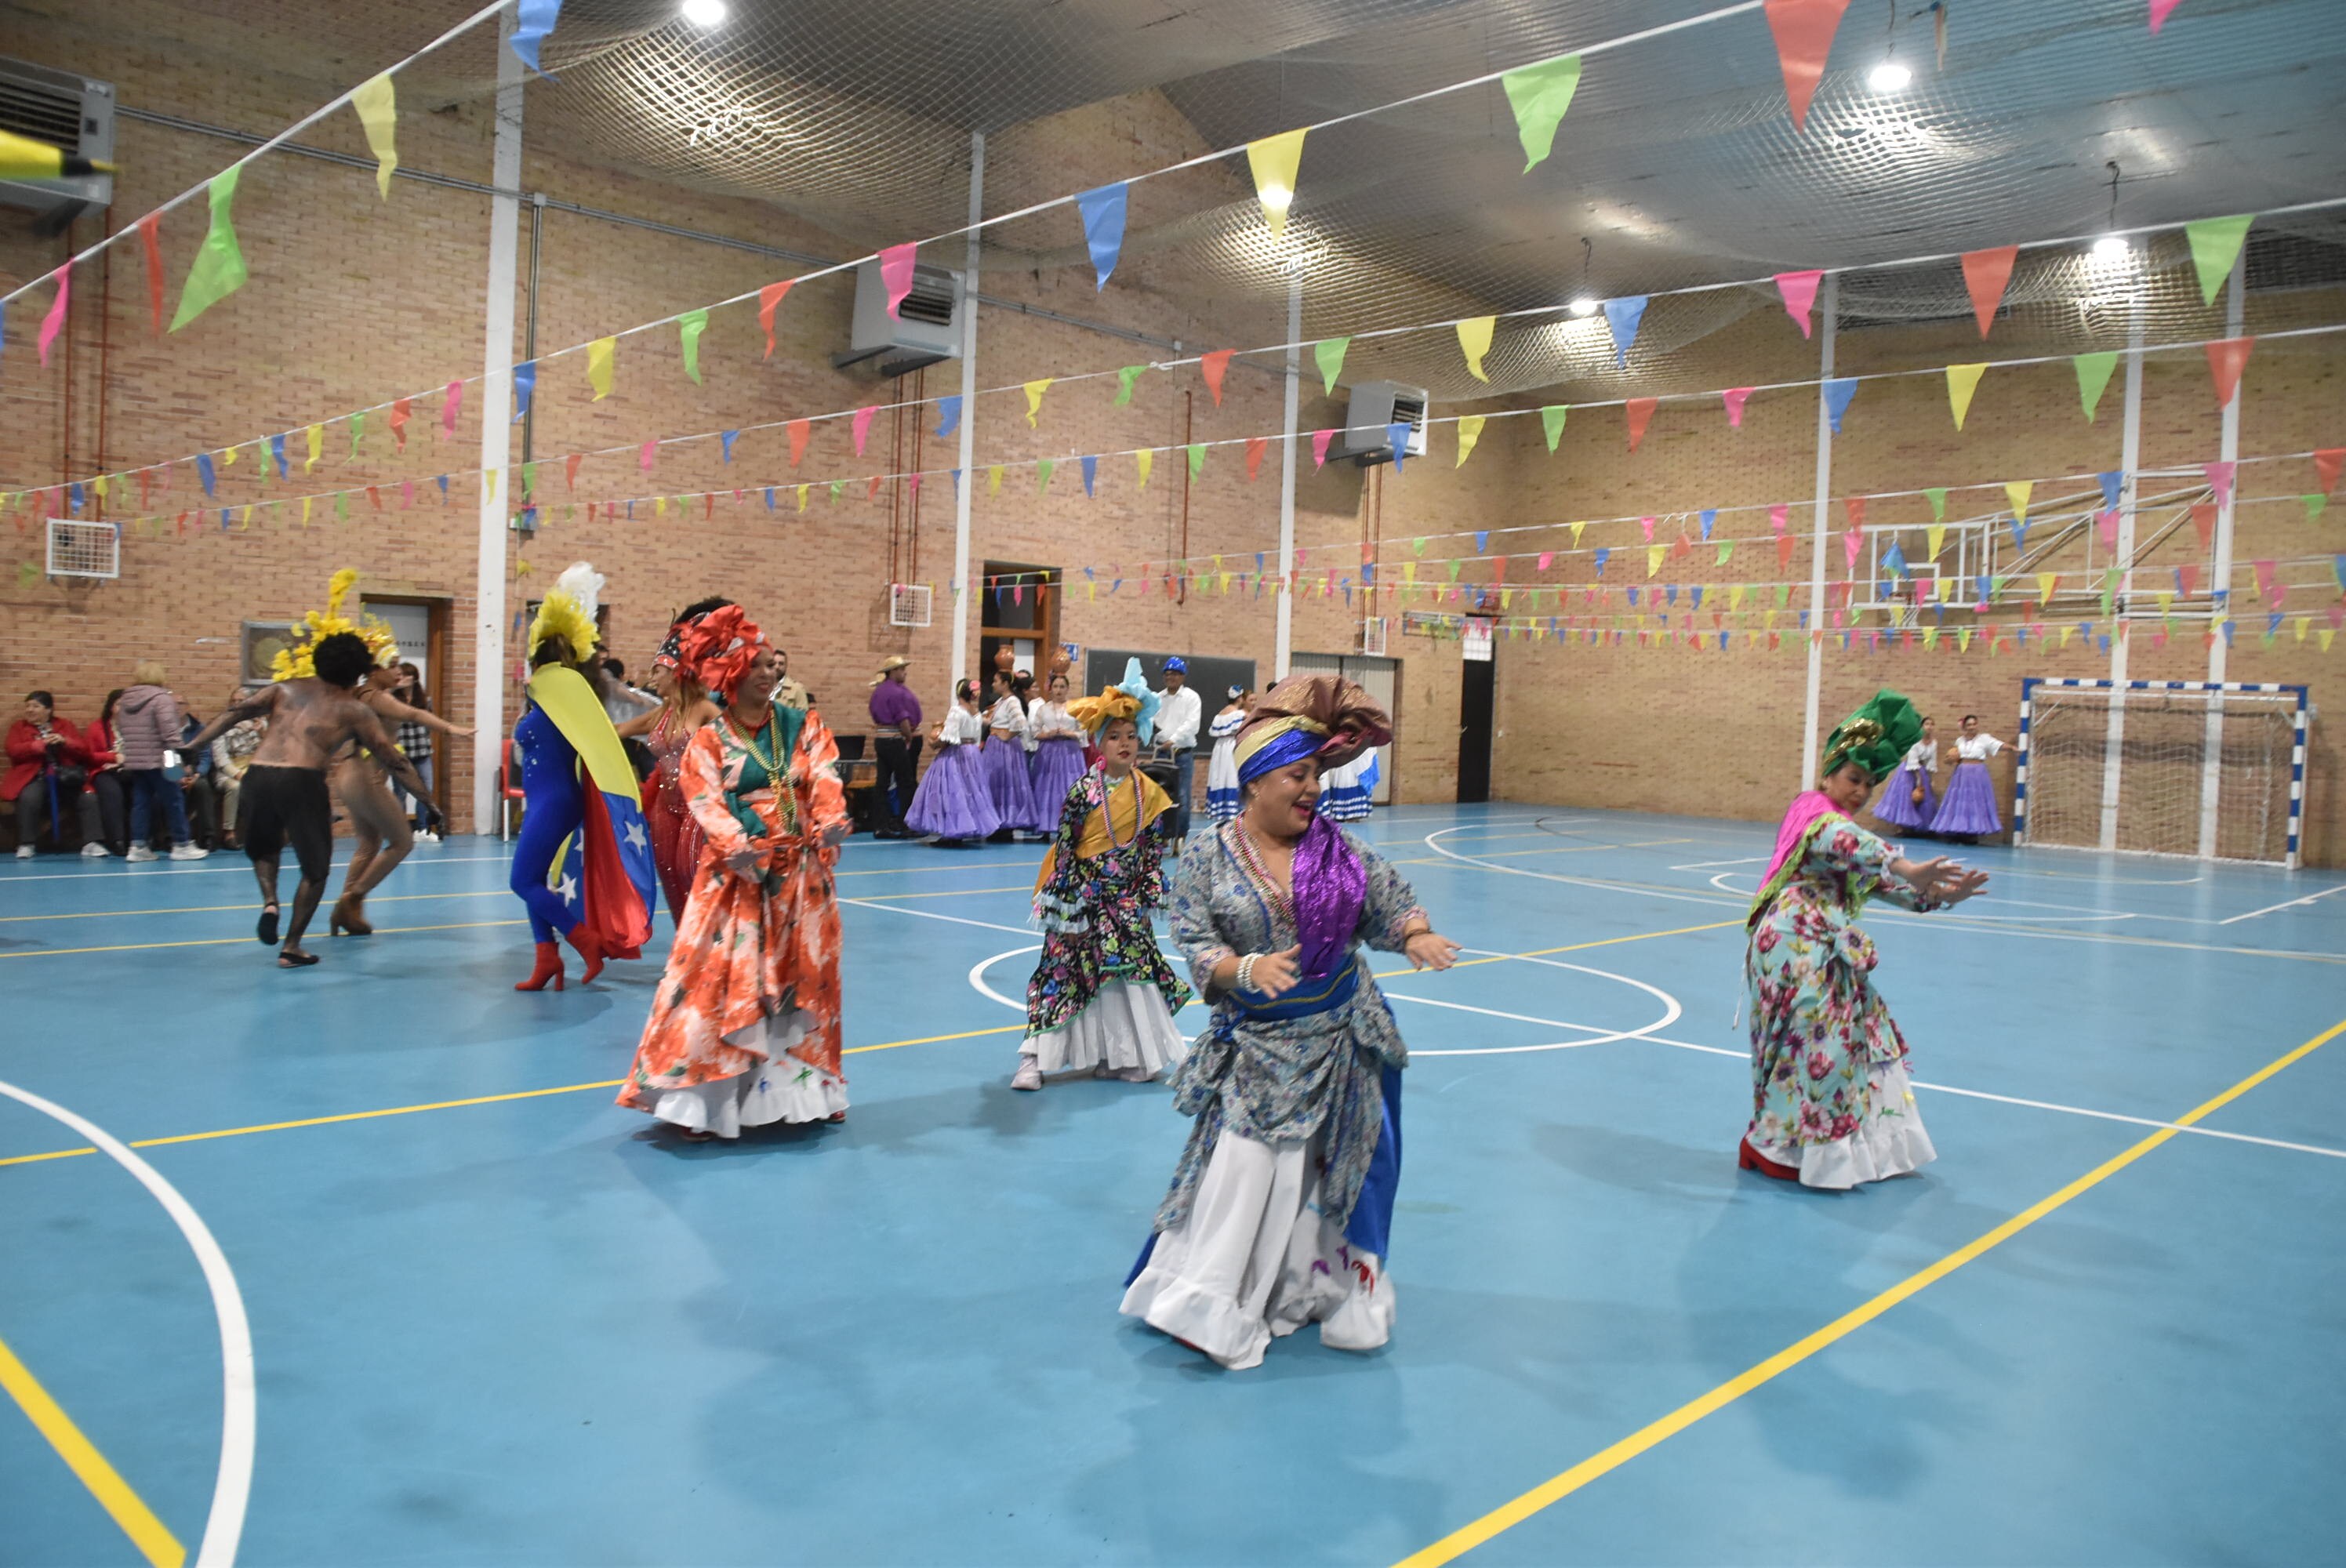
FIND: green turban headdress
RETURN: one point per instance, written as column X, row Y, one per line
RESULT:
column 1875, row 737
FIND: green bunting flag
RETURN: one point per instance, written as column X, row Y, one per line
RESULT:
column 1329, row 354
column 1937, row 496
column 1043, row 475
column 2093, row 375
column 2215, row 241
column 1552, row 421
column 1196, row 458
column 1124, row 379
column 219, row 268
column 1539, row 95
column 689, row 326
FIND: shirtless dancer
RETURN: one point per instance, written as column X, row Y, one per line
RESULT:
column 381, row 833
column 283, row 798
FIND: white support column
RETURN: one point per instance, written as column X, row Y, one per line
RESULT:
column 1829, row 310
column 2121, row 636
column 496, row 436
column 961, row 589
column 1282, row 645
column 2211, row 765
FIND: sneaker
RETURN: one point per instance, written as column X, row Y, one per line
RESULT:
column 427, row 837
column 1028, row 1076
column 140, row 852
column 93, row 851
column 23, row 851
column 189, row 852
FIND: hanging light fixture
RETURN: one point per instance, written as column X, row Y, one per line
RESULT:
column 706, row 13
column 1585, row 303
column 2112, row 249
column 1890, row 77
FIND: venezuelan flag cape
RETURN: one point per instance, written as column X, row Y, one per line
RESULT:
column 616, row 852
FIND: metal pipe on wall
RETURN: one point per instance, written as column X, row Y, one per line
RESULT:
column 966, row 482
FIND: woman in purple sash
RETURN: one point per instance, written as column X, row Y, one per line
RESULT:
column 1281, row 1210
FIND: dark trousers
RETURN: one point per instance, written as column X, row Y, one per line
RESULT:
column 48, row 815
column 104, row 812
column 899, row 769
column 1185, row 784
column 155, row 800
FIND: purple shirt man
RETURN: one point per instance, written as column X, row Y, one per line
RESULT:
column 894, row 704
column 896, row 723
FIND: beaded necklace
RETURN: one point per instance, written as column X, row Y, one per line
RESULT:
column 1108, row 808
column 771, row 759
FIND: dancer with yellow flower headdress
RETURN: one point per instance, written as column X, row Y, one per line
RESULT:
column 313, row 711
column 1830, row 1105
column 1102, row 998
column 584, row 865
column 1281, row 1211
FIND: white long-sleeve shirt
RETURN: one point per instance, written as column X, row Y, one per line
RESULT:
column 1922, row 757
column 962, row 727
column 1046, row 719
column 1976, row 748
column 1009, row 715
column 1179, row 715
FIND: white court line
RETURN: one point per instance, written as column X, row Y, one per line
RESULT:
column 950, row 919
column 225, row 1525
column 1720, row 882
column 2291, row 905
column 1705, row 865
column 238, row 866
column 1745, row 1057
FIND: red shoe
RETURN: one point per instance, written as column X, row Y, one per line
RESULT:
column 550, row 967
column 590, row 948
column 1750, row 1159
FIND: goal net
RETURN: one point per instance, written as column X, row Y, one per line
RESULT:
column 2159, row 767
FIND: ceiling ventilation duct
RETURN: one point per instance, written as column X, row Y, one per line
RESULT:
column 65, row 111
column 925, row 328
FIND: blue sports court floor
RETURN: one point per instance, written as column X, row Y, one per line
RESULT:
column 495, row 1320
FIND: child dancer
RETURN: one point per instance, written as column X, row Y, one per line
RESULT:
column 1222, row 767
column 1103, row 997
column 952, row 804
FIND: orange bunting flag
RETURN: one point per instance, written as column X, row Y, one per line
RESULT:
column 799, row 429
column 401, row 409
column 1213, row 367
column 769, row 298
column 1986, row 273
column 1640, row 411
column 1785, row 544
column 2203, row 518
column 2328, row 462
column 1804, row 35
column 2227, row 358
column 570, row 470
column 1856, row 509
column 1255, row 446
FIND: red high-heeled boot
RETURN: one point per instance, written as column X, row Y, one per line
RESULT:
column 550, row 967
column 590, row 948
column 1750, row 1159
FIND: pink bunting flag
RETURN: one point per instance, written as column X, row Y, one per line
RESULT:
column 2328, row 462
column 645, row 455
column 1735, row 398
column 450, row 406
column 2219, row 479
column 1319, row 440
column 401, row 409
column 896, row 276
column 1986, row 274
column 769, row 299
column 406, row 494
column 2160, row 11
column 2227, row 358
column 1777, row 516
column 912, row 482
column 1800, row 293
column 1646, row 525
column 1640, row 411
column 1213, row 367
column 799, row 429
column 2265, row 571
column 2110, row 529
column 1804, row 32
column 863, row 426
column 1255, row 447
column 53, row 322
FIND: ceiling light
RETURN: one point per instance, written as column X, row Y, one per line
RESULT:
column 1584, row 306
column 705, row 13
column 1888, row 76
column 2112, row 251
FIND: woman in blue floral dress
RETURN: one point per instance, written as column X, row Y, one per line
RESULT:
column 1281, row 1210
column 1102, row 998
column 1831, row 1105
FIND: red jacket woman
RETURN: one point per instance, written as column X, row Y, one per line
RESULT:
column 28, row 748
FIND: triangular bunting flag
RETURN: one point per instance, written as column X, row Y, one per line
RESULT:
column 769, row 298
column 1735, row 398
column 1539, row 95
column 2215, row 244
column 599, row 356
column 219, row 268
column 1552, row 424
column 2227, row 358
column 1799, row 292
column 1329, row 354
column 1838, row 392
column 1622, row 318
column 1470, row 431
column 1962, row 380
column 1103, row 212
column 1214, row 367
column 2093, row 375
column 689, row 326
column 1640, row 411
column 1986, row 273
column 1804, row 31
column 896, row 274
column 375, row 102
column 2017, row 493
column 1474, row 342
column 1273, row 162
column 1035, row 391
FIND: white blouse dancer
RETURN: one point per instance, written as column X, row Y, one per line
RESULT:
column 1969, row 810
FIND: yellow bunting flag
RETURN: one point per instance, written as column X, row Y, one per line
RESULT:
column 1946, row 589
column 2018, row 493
column 1964, row 639
column 2046, row 581
column 227, row 457
column 993, row 480
column 1576, row 530
column 1145, row 459
column 1470, row 431
column 305, row 511
column 1653, row 554
column 1035, row 391
column 1409, row 574
column 491, row 488
column 1961, row 381
column 598, row 366
column 803, row 491
column 1474, row 342
column 1735, row 597
column 1273, row 161
column 2065, row 632
column 316, row 438
column 377, row 107
column 1935, row 535
column 659, row 506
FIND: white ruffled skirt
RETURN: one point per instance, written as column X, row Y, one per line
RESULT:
column 782, row 1089
column 1126, row 1025
column 1888, row 1141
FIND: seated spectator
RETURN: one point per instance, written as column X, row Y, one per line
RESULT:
column 231, row 755
column 46, row 773
column 105, row 825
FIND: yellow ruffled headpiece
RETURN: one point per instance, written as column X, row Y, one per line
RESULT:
column 568, row 611
column 293, row 662
column 1094, row 714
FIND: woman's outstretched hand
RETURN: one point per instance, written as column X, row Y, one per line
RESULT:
column 1274, row 973
column 1428, row 950
column 1960, row 885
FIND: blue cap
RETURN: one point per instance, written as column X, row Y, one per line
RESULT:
column 1174, row 665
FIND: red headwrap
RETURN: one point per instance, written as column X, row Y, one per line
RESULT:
column 719, row 648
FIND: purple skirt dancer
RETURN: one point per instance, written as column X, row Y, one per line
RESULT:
column 1058, row 763
column 952, row 801
column 1897, row 806
column 1970, row 805
column 1003, row 763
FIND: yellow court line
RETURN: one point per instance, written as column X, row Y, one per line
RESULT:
column 1557, row 1488
column 149, row 1533
column 236, row 940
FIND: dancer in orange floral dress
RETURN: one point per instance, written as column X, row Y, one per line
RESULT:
column 745, row 1029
